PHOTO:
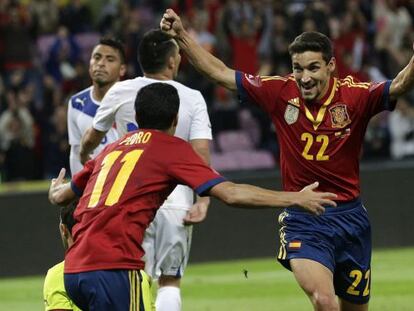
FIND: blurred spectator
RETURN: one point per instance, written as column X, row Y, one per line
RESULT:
column 76, row 16
column 56, row 143
column 401, row 123
column 377, row 139
column 17, row 33
column 17, row 140
column 63, row 56
column 45, row 15
column 224, row 113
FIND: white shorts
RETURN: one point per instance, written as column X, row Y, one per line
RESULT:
column 167, row 243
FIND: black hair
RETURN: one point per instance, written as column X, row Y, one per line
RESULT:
column 154, row 51
column 117, row 45
column 156, row 106
column 66, row 215
column 312, row 41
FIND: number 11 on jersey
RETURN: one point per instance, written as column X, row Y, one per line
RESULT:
column 128, row 164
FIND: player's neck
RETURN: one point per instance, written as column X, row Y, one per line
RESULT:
column 163, row 76
column 99, row 92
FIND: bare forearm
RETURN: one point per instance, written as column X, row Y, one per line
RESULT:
column 206, row 63
column 90, row 141
column 404, row 81
column 248, row 195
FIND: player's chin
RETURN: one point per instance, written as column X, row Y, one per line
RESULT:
column 309, row 96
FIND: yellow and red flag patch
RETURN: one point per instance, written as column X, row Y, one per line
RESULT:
column 295, row 244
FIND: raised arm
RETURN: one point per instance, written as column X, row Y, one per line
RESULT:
column 90, row 140
column 404, row 81
column 202, row 60
column 249, row 196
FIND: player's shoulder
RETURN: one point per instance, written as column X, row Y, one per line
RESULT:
column 185, row 91
column 85, row 93
column 54, row 273
column 352, row 83
column 127, row 86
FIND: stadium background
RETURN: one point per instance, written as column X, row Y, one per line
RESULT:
column 44, row 51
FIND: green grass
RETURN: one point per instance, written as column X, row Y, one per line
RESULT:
column 223, row 286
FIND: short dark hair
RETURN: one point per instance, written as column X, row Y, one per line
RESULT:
column 156, row 106
column 116, row 44
column 66, row 215
column 312, row 41
column 154, row 50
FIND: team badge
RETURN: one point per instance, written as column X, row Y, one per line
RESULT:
column 291, row 114
column 339, row 116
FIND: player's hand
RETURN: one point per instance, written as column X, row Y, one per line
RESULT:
column 171, row 23
column 314, row 201
column 197, row 213
column 56, row 184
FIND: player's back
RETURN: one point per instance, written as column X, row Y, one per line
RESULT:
column 125, row 185
column 193, row 120
column 121, row 97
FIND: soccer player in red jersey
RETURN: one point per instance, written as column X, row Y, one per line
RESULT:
column 320, row 123
column 121, row 190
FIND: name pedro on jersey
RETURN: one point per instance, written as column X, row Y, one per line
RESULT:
column 137, row 138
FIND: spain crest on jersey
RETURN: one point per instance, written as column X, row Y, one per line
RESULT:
column 339, row 116
column 291, row 114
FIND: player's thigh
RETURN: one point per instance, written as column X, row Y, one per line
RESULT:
column 171, row 244
column 349, row 306
column 312, row 276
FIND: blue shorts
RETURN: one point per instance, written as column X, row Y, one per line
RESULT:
column 340, row 239
column 110, row 290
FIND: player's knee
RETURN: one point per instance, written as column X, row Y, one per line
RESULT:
column 324, row 301
column 168, row 280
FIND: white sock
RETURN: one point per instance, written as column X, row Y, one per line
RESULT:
column 168, row 299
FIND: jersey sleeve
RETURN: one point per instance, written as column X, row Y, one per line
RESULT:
column 116, row 109
column 200, row 123
column 189, row 169
column 105, row 115
column 378, row 98
column 74, row 134
column 80, row 179
column 262, row 91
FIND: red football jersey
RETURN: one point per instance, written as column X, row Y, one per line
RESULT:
column 122, row 189
column 319, row 141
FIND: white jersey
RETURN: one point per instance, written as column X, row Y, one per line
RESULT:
column 193, row 121
column 81, row 110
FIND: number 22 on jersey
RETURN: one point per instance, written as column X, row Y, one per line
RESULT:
column 322, row 140
column 129, row 161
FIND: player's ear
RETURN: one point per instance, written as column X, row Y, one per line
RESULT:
column 332, row 65
column 171, row 63
column 122, row 70
column 175, row 122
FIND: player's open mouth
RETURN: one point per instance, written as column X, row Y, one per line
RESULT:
column 308, row 87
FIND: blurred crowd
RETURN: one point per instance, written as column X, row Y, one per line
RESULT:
column 45, row 47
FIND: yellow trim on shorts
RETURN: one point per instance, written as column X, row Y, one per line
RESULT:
column 140, row 291
column 282, row 250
